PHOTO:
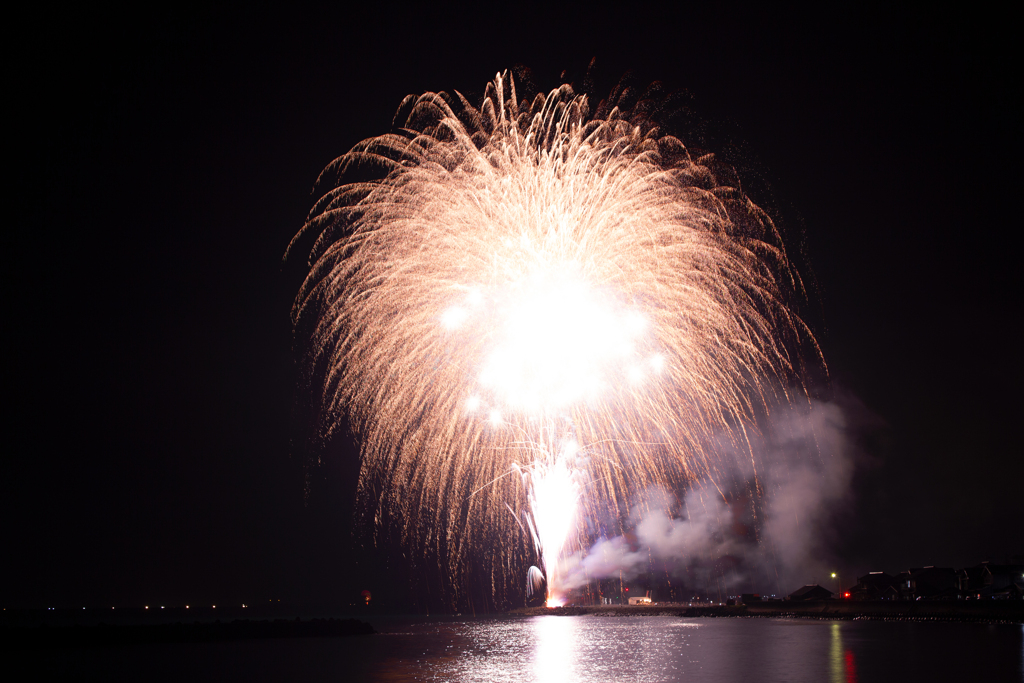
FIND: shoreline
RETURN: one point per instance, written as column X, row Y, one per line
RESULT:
column 44, row 637
column 1003, row 611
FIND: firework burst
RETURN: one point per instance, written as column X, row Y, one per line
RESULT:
column 527, row 286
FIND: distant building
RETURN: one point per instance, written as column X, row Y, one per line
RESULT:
column 931, row 583
column 748, row 598
column 813, row 592
column 643, row 600
column 1010, row 592
column 988, row 580
column 875, row 586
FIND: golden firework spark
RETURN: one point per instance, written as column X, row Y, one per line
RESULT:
column 491, row 284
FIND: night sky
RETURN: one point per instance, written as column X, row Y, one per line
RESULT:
column 159, row 164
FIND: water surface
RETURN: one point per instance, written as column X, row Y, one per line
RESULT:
column 558, row 649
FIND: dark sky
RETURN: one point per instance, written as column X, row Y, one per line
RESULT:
column 158, row 165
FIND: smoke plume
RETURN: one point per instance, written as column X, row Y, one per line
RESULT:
column 764, row 521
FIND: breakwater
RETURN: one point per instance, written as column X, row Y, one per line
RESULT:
column 990, row 611
column 105, row 635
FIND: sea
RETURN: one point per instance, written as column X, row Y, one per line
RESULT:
column 561, row 649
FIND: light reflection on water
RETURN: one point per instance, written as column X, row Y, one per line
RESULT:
column 579, row 649
column 557, row 649
column 841, row 660
column 561, row 649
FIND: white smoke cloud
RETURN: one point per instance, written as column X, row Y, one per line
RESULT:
column 762, row 523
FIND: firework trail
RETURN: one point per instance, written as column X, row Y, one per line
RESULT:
column 531, row 287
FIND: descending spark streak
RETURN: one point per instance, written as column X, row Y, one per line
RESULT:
column 553, row 498
column 516, row 272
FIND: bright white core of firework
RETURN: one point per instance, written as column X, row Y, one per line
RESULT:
column 555, row 340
